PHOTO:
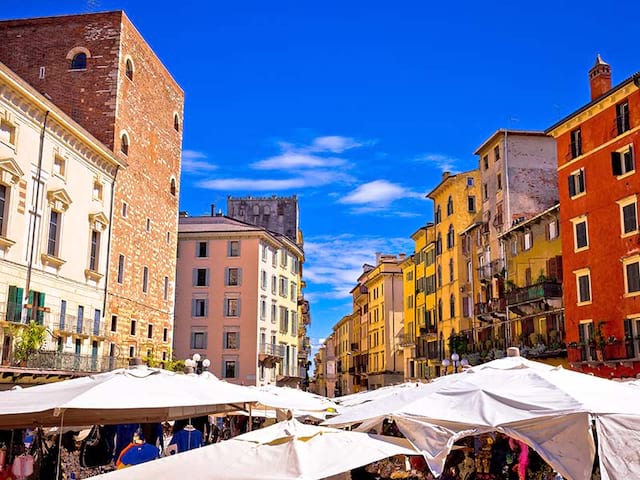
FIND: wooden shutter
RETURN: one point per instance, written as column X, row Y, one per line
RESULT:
column 194, row 277
column 628, row 160
column 552, row 268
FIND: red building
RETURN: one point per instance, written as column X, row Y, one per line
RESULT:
column 598, row 187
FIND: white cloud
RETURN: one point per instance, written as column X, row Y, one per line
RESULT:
column 333, row 143
column 288, row 160
column 378, row 194
column 334, row 263
column 193, row 162
column 445, row 163
column 316, row 178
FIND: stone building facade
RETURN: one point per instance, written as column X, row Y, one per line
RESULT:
column 100, row 71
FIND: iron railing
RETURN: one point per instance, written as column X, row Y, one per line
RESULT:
column 74, row 362
column 272, row 349
column 534, row 292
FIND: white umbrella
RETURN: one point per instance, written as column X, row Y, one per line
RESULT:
column 286, row 450
column 133, row 395
column 548, row 408
column 298, row 402
column 371, row 395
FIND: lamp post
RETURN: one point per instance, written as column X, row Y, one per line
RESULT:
column 455, row 362
column 193, row 364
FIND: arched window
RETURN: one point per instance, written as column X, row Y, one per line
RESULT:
column 173, row 187
column 79, row 61
column 437, row 215
column 450, row 206
column 440, row 310
column 439, row 244
column 128, row 69
column 124, row 144
column 451, row 270
column 450, row 237
column 452, row 305
column 176, row 122
column 439, row 275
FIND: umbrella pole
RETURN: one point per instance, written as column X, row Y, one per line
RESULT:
column 250, row 419
column 59, row 446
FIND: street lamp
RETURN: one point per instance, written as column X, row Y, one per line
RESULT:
column 193, row 364
column 456, row 362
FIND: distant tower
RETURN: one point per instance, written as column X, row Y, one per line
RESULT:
column 276, row 214
column 599, row 78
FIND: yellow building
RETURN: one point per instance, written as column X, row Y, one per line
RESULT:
column 455, row 205
column 534, row 285
column 360, row 343
column 342, row 335
column 419, row 305
column 385, row 322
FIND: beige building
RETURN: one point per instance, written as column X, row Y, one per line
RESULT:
column 342, row 333
column 326, row 377
column 56, row 192
column 237, row 300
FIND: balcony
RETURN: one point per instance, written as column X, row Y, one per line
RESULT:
column 75, row 363
column 535, row 292
column 428, row 350
column 354, row 347
column 83, row 328
column 270, row 353
column 488, row 271
column 406, row 340
column 492, row 307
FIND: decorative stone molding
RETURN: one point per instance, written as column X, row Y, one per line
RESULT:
column 98, row 221
column 52, row 261
column 59, row 200
column 10, row 172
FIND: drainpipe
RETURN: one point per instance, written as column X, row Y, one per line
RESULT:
column 508, row 213
column 34, row 215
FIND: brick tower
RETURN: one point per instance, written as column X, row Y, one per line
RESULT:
column 102, row 73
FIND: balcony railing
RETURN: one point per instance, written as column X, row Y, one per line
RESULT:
column 496, row 305
column 86, row 327
column 534, row 292
column 272, row 349
column 73, row 362
column 406, row 339
column 428, row 330
column 486, row 272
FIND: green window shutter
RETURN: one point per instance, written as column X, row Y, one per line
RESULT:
column 40, row 311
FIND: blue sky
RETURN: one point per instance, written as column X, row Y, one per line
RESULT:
column 358, row 106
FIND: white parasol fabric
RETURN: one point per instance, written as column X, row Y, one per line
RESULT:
column 371, row 395
column 133, row 395
column 549, row 408
column 298, row 402
column 286, row 450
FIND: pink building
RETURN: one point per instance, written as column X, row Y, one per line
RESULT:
column 237, row 289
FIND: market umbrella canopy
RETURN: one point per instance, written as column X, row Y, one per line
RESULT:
column 298, row 402
column 134, row 395
column 286, row 450
column 549, row 408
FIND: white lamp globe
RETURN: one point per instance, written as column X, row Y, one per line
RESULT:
column 464, row 362
column 206, row 363
column 455, row 357
column 196, row 357
column 189, row 363
column 446, row 362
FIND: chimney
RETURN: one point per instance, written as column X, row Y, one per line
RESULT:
column 213, row 209
column 599, row 78
column 445, row 175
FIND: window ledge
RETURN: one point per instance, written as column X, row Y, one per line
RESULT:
column 581, row 249
column 625, row 175
column 631, row 294
column 93, row 275
column 5, row 243
column 582, row 304
column 51, row 260
column 578, row 195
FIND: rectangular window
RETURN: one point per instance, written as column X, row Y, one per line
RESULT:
column 4, row 190
column 145, row 279
column 200, row 277
column 198, row 340
column 232, row 340
column 54, row 226
column 232, row 307
column 150, row 331
column 527, row 241
column 274, row 284
column 132, row 330
column 165, row 288
column 632, row 275
column 584, row 286
column 485, row 161
column 485, row 191
column 552, row 229
column 230, row 369
column 97, row 190
column 274, row 312
column 263, row 309
column 496, row 152
column 264, row 253
column 294, row 292
column 233, row 277
column 120, row 268
column 199, row 307
column 469, row 181
column 284, row 320
column 124, row 209
column 499, row 181
column 622, row 161
column 629, row 215
column 202, row 249
column 622, row 117
column 114, row 323
column 283, row 287
column 581, row 236
column 132, row 351
column 95, row 246
column 233, row 248
column 471, row 203
column 7, row 132
column 263, row 280
column 148, row 225
column 576, row 143
column 274, row 258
